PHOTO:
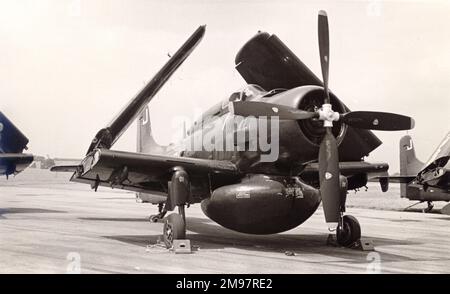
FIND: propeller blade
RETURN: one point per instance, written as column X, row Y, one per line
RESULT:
column 106, row 137
column 383, row 121
column 329, row 179
column 257, row 109
column 324, row 50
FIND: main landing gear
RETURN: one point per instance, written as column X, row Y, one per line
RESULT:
column 348, row 231
column 179, row 194
column 174, row 228
column 154, row 218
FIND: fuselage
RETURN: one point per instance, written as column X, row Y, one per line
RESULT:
column 271, row 196
column 432, row 183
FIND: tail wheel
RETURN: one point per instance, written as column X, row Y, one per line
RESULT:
column 174, row 229
column 349, row 232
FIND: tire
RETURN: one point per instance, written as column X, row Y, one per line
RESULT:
column 350, row 231
column 174, row 229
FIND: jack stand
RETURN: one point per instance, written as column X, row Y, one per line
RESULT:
column 363, row 244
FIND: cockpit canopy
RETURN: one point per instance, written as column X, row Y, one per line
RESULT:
column 250, row 92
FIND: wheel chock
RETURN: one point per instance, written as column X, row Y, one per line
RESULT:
column 182, row 246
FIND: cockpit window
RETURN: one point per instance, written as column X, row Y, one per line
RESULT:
column 274, row 92
column 250, row 91
column 247, row 92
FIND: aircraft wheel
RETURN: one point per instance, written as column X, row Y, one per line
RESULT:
column 349, row 232
column 154, row 218
column 174, row 229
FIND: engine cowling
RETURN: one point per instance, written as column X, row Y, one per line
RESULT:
column 262, row 205
column 311, row 98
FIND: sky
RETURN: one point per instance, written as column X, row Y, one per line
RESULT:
column 68, row 66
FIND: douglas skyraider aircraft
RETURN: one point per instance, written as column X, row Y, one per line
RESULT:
column 321, row 145
column 12, row 144
column 428, row 181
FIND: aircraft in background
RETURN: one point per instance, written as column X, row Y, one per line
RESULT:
column 425, row 182
column 320, row 154
column 46, row 162
column 12, row 144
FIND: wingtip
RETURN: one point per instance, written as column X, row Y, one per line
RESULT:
column 201, row 30
column 322, row 12
column 413, row 123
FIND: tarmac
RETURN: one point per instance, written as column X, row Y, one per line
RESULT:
column 49, row 225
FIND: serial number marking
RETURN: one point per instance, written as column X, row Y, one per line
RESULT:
column 246, row 283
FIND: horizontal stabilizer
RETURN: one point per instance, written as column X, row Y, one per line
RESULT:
column 65, row 168
column 398, row 179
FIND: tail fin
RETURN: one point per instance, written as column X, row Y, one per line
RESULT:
column 11, row 138
column 147, row 144
column 409, row 164
column 145, row 141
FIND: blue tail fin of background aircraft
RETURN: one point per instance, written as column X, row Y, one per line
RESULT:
column 11, row 138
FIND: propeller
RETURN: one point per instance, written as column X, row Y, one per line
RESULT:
column 369, row 120
column 329, row 172
column 258, row 109
column 107, row 136
column 324, row 51
column 382, row 121
column 328, row 150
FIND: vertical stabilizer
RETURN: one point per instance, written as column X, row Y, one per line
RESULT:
column 145, row 141
column 147, row 144
column 409, row 164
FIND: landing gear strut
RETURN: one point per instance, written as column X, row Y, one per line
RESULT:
column 348, row 231
column 429, row 208
column 179, row 194
column 154, row 218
